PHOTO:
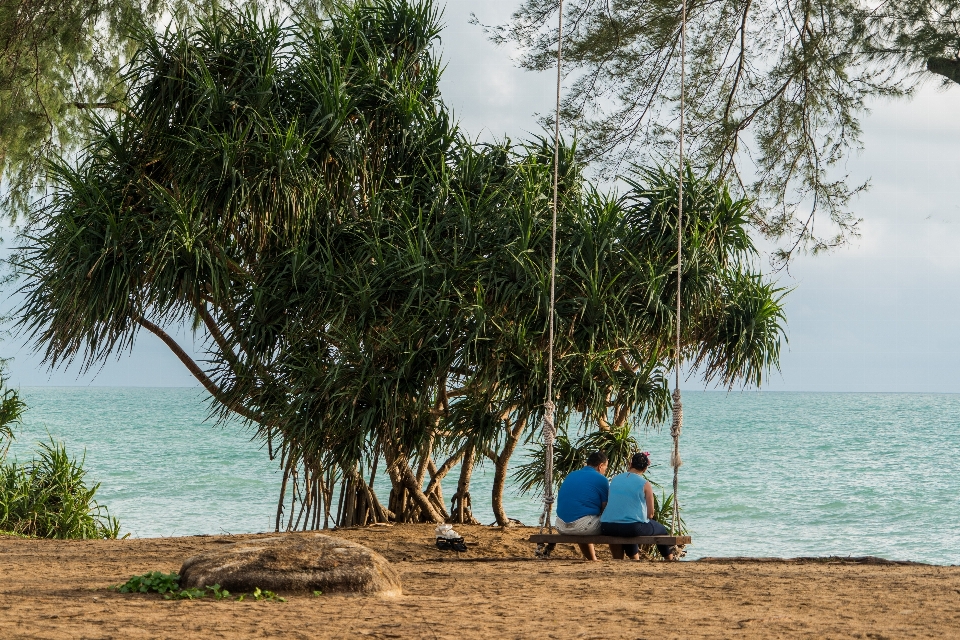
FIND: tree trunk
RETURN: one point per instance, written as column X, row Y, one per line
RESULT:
column 283, row 493
column 426, row 458
column 306, row 499
column 343, row 488
column 294, row 477
column 321, row 492
column 348, row 518
column 434, row 490
column 398, row 493
column 379, row 514
column 502, row 466
column 460, row 506
column 947, row 67
column 398, row 502
column 438, row 474
column 330, row 486
column 428, row 512
column 407, row 500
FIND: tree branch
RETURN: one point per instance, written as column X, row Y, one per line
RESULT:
column 195, row 369
column 113, row 104
column 215, row 332
column 444, row 469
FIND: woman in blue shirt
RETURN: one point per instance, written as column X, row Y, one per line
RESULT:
column 630, row 510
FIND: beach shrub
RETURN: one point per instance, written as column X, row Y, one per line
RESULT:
column 48, row 497
column 11, row 412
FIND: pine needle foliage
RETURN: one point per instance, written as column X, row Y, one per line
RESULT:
column 58, row 58
column 917, row 36
column 775, row 91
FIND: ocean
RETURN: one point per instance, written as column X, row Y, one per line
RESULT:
column 764, row 473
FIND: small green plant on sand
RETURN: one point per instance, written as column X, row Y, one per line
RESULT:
column 266, row 595
column 153, row 582
column 168, row 585
column 218, row 593
column 259, row 594
column 187, row 594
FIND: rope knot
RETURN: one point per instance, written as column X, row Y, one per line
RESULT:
column 549, row 427
column 549, row 435
column 676, row 428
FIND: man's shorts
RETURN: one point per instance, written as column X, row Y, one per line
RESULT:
column 585, row 526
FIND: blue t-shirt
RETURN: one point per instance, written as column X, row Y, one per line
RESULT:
column 582, row 494
column 627, row 502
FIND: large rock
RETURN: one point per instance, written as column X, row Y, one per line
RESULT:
column 309, row 562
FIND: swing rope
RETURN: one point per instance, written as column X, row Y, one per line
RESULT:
column 677, row 425
column 549, row 426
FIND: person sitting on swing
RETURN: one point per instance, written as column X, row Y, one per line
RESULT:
column 630, row 510
column 581, row 499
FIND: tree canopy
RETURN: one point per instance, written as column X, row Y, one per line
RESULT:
column 57, row 59
column 778, row 86
column 775, row 92
column 918, row 35
column 370, row 286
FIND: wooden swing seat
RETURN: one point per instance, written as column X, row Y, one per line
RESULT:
column 556, row 538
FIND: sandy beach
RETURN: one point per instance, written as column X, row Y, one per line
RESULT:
column 57, row 589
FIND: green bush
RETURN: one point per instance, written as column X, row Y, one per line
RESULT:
column 168, row 585
column 11, row 412
column 569, row 455
column 48, row 498
column 153, row 582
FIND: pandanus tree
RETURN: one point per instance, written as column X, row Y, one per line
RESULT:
column 616, row 282
column 370, row 287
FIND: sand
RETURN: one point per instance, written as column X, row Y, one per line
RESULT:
column 54, row 589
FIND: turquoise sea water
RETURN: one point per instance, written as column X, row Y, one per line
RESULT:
column 764, row 474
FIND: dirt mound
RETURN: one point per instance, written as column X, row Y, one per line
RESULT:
column 293, row 563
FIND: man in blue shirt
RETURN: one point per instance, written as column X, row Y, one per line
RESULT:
column 581, row 499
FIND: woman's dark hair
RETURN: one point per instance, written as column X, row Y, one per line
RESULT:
column 640, row 461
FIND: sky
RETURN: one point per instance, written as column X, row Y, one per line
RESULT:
column 880, row 315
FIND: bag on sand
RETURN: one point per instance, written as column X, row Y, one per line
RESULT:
column 448, row 539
